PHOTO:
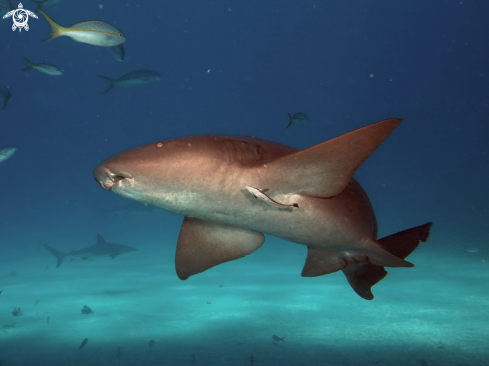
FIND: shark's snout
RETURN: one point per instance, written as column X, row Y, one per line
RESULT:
column 108, row 179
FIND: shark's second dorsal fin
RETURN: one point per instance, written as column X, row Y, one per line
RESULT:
column 100, row 240
column 204, row 244
column 324, row 170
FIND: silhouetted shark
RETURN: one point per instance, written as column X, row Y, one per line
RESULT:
column 308, row 197
column 100, row 249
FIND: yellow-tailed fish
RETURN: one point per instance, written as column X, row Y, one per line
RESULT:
column 94, row 32
column 44, row 68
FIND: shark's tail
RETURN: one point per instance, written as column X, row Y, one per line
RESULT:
column 57, row 254
column 364, row 275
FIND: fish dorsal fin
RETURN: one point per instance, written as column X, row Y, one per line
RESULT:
column 324, row 170
column 204, row 244
column 100, row 240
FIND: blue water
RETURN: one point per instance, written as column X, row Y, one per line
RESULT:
column 238, row 68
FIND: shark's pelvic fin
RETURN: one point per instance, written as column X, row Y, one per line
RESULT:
column 324, row 170
column 204, row 244
column 59, row 255
column 362, row 276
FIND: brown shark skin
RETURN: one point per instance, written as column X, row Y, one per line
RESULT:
column 204, row 177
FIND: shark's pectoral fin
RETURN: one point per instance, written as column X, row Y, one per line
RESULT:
column 362, row 276
column 204, row 244
column 114, row 255
column 324, row 170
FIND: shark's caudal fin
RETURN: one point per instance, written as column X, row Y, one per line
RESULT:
column 362, row 276
column 57, row 254
column 324, row 170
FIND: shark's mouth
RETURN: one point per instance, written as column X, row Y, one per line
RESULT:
column 108, row 180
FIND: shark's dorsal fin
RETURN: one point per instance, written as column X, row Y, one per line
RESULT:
column 324, row 170
column 100, row 240
column 204, row 244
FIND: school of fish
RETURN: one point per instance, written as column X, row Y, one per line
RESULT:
column 93, row 32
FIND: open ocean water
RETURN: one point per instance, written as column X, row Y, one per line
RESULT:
column 244, row 69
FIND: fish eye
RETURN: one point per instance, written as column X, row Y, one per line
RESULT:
column 120, row 34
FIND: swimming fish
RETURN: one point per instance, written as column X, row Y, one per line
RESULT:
column 5, row 153
column 86, row 310
column 135, row 78
column 83, row 343
column 204, row 178
column 17, row 312
column 260, row 194
column 5, row 94
column 117, row 52
column 278, row 339
column 41, row 4
column 298, row 118
column 47, row 69
column 94, row 32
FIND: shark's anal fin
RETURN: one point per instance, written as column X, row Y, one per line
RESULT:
column 204, row 244
column 324, row 170
column 362, row 276
column 320, row 262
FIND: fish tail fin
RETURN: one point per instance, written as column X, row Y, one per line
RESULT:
column 59, row 255
column 56, row 29
column 290, row 120
column 362, row 276
column 30, row 66
column 109, row 81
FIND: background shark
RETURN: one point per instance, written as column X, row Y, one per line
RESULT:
column 312, row 199
column 100, row 249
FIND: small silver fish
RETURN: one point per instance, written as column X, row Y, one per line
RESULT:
column 260, row 194
column 472, row 250
column 278, row 339
column 94, row 32
column 117, row 52
column 5, row 94
column 298, row 118
column 135, row 78
column 5, row 153
column 47, row 69
column 83, row 343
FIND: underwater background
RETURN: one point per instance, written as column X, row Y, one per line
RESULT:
column 238, row 68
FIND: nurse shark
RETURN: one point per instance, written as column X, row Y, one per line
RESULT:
column 305, row 196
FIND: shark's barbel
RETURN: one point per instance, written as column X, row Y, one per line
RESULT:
column 205, row 179
column 100, row 249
